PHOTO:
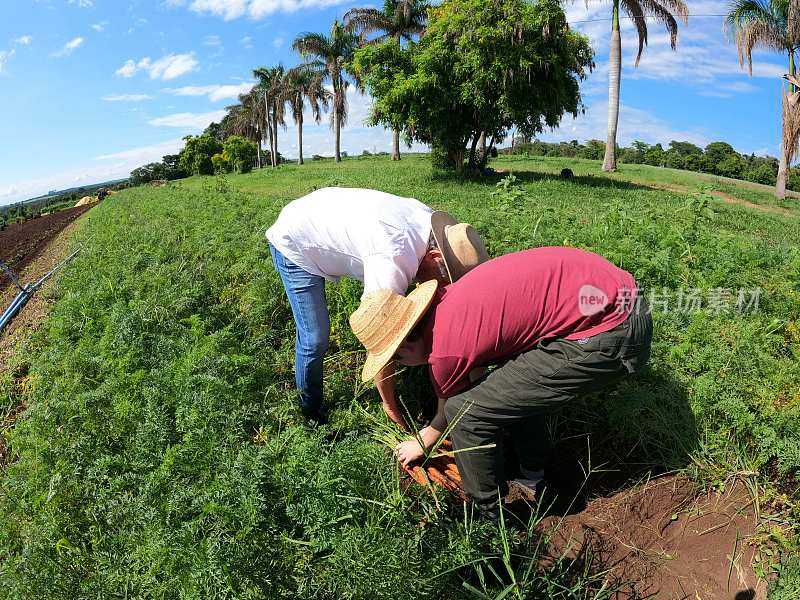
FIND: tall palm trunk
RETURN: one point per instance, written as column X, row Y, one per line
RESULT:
column 396, row 132
column 614, row 70
column 268, row 123
column 275, row 136
column 300, row 138
column 337, row 121
column 395, row 144
column 783, row 165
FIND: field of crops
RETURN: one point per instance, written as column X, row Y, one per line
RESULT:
column 161, row 454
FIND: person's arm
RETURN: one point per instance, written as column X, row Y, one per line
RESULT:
column 386, row 381
column 410, row 450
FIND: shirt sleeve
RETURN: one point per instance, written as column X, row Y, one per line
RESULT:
column 382, row 271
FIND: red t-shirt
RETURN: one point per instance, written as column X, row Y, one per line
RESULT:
column 505, row 306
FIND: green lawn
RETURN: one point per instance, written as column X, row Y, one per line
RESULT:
column 161, row 455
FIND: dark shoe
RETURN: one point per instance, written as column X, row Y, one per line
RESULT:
column 315, row 417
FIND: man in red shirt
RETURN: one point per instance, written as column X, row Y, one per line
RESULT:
column 556, row 322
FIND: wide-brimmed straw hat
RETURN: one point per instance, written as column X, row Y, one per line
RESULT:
column 384, row 319
column 462, row 247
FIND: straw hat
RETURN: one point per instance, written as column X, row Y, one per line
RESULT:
column 462, row 247
column 384, row 319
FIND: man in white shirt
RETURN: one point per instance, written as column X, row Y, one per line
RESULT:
column 386, row 241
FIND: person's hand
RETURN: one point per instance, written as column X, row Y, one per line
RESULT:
column 409, row 451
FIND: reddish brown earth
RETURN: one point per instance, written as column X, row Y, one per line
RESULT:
column 21, row 243
column 45, row 255
column 663, row 540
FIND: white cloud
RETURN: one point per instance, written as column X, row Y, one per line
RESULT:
column 188, row 120
column 108, row 167
column 144, row 154
column 215, row 93
column 704, row 59
column 634, row 124
column 69, row 47
column 100, row 26
column 212, row 40
column 127, row 70
column 82, row 3
column 247, row 42
column 24, row 40
column 5, row 56
column 126, row 98
column 255, row 9
column 278, row 42
column 165, row 68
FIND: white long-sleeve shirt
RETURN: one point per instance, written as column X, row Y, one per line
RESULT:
column 372, row 236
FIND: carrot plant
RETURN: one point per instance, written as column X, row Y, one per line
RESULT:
column 161, row 454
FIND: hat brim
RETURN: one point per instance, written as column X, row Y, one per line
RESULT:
column 421, row 297
column 440, row 220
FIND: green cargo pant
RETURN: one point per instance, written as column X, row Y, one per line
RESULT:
column 517, row 395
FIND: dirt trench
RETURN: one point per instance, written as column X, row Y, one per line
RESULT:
column 664, row 540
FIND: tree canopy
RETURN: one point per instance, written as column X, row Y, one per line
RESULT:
column 480, row 67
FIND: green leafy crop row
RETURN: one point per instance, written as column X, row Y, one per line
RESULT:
column 161, row 454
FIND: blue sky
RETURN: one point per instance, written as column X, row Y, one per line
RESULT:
column 94, row 88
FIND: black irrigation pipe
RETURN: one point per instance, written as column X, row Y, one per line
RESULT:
column 26, row 291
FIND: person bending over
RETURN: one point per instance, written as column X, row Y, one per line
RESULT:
column 386, row 241
column 556, row 323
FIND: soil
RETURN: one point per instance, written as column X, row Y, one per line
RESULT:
column 665, row 540
column 21, row 243
column 47, row 246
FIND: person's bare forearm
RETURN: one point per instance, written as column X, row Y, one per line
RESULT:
column 386, row 382
column 431, row 434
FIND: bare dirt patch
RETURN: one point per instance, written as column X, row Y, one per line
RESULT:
column 21, row 243
column 665, row 540
column 47, row 255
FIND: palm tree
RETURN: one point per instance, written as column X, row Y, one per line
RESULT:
column 399, row 20
column 664, row 11
column 774, row 25
column 330, row 56
column 270, row 85
column 302, row 84
column 245, row 119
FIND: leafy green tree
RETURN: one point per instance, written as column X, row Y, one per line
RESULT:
column 221, row 163
column 483, row 66
column 654, row 156
column 771, row 25
column 239, row 153
column 593, row 150
column 172, row 167
column 195, row 158
column 685, row 148
column 329, row 56
column 399, row 20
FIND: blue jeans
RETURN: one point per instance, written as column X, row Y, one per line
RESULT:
column 306, row 293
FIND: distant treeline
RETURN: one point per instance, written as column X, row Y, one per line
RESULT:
column 717, row 158
column 36, row 207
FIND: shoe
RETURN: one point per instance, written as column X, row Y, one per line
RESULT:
column 315, row 417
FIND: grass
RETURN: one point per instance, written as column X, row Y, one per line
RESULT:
column 162, row 455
